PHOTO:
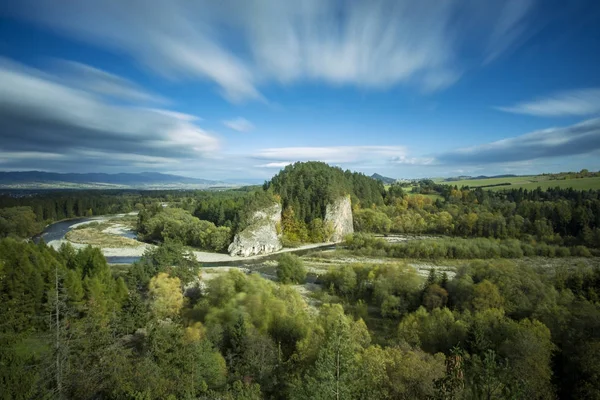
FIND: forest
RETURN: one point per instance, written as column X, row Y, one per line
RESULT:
column 72, row 328
column 563, row 219
column 516, row 316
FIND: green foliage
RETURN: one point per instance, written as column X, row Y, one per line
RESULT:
column 165, row 295
column 290, row 269
column 18, row 222
column 453, row 248
column 438, row 331
column 306, row 188
column 435, row 297
column 169, row 257
column 70, row 329
column 486, row 295
column 395, row 289
column 176, row 224
column 370, row 220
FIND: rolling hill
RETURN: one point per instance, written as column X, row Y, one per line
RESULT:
column 149, row 180
column 384, row 179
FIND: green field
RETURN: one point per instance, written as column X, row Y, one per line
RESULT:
column 529, row 182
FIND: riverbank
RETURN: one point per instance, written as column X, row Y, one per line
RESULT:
column 80, row 230
column 201, row 256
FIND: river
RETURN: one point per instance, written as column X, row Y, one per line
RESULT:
column 58, row 230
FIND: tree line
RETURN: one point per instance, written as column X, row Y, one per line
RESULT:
column 558, row 217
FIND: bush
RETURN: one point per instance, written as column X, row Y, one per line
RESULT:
column 290, row 269
column 458, row 248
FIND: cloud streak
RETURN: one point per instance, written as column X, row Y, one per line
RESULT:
column 104, row 83
column 241, row 45
column 579, row 139
column 239, row 124
column 42, row 116
column 568, row 103
column 280, row 156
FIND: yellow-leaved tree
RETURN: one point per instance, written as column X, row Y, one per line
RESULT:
column 166, row 295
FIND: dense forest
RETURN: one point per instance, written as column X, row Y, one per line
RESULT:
column 552, row 222
column 25, row 213
column 72, row 328
column 308, row 187
column 556, row 217
column 305, row 190
column 498, row 327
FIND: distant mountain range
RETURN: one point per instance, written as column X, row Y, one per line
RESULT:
column 466, row 177
column 149, row 180
column 383, row 179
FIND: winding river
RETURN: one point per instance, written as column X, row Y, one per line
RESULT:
column 58, row 230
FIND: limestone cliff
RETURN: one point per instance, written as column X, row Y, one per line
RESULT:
column 262, row 236
column 339, row 215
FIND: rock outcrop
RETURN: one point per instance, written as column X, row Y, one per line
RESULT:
column 339, row 215
column 262, row 236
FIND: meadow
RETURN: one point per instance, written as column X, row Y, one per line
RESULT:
column 527, row 182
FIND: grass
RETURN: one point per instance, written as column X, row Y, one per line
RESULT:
column 96, row 237
column 529, row 183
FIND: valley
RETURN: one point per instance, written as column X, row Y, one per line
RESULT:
column 315, row 256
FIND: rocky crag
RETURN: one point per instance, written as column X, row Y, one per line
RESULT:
column 339, row 215
column 262, row 236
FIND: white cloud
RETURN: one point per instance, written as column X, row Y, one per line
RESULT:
column 579, row 139
column 104, row 83
column 332, row 154
column 413, row 160
column 6, row 157
column 42, row 116
column 567, row 103
column 275, row 164
column 510, row 28
column 239, row 124
column 243, row 44
column 177, row 115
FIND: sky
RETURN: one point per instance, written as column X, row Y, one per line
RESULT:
column 236, row 89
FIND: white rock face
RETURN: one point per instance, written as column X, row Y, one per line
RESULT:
column 339, row 214
column 261, row 236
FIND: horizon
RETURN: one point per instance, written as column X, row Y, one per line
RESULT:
column 237, row 90
column 246, row 180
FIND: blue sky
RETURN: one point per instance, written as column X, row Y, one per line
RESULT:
column 239, row 88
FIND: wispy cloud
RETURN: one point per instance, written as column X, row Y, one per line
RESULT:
column 105, row 83
column 510, row 27
column 241, row 45
column 275, row 164
column 239, row 124
column 579, row 139
column 568, row 103
column 40, row 115
column 330, row 154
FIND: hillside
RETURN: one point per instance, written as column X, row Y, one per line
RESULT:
column 308, row 191
column 383, row 179
column 308, row 187
column 50, row 180
column 463, row 178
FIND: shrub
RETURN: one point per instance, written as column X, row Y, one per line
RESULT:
column 290, row 269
